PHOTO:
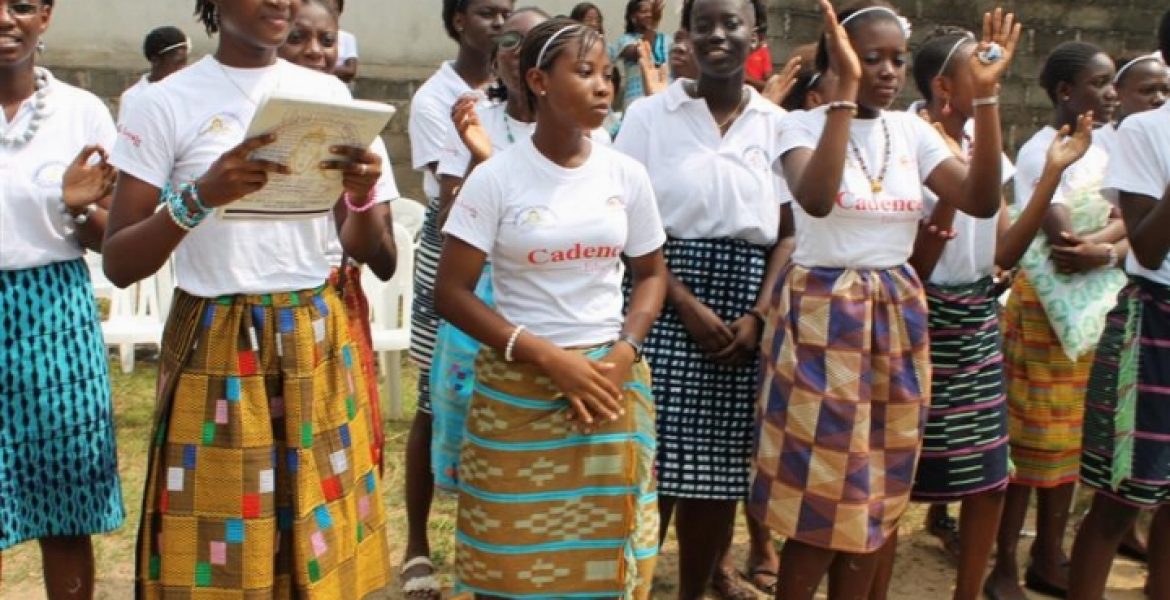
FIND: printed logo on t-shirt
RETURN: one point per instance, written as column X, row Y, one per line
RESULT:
column 755, row 158
column 878, row 205
column 50, row 175
column 534, row 217
column 574, row 255
column 615, row 203
column 221, row 125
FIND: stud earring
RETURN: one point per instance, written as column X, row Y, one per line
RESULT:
column 40, row 46
column 946, row 109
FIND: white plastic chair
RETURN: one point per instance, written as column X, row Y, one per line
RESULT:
column 390, row 315
column 102, row 288
column 410, row 214
column 137, row 316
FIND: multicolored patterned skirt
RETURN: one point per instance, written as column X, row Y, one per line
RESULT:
column 348, row 281
column 452, row 384
column 1045, row 393
column 58, row 460
column 1127, row 417
column 842, row 405
column 964, row 451
column 261, row 479
column 706, row 411
column 424, row 321
column 547, row 512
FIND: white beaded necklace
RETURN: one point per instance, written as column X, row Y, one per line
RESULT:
column 16, row 140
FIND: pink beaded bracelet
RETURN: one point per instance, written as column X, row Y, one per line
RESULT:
column 370, row 202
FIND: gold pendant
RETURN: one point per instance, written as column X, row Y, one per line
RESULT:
column 876, row 186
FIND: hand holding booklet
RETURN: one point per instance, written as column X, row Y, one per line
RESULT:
column 305, row 130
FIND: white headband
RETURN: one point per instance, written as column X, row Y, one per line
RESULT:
column 967, row 37
column 551, row 39
column 902, row 21
column 182, row 44
column 1155, row 56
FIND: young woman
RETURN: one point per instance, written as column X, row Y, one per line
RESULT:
column 58, row 462
column 589, row 14
column 260, row 477
column 1127, row 424
column 1142, row 83
column 845, row 353
column 1046, row 364
column 472, row 24
column 642, row 19
column 708, row 145
column 165, row 48
column 965, row 454
column 556, row 214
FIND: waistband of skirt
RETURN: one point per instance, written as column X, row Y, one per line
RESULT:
column 275, row 300
column 976, row 292
column 1157, row 292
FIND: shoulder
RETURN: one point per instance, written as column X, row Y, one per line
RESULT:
column 1150, row 125
column 439, row 89
column 618, row 163
column 305, row 80
column 78, row 99
column 1036, row 147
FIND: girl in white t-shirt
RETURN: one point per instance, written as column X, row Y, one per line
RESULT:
column 1142, row 83
column 1126, row 453
column 709, row 144
column 846, row 369
column 260, row 474
column 557, row 465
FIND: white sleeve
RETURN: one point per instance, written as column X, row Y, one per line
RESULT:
column 146, row 142
column 386, row 189
column 475, row 216
column 349, row 47
column 456, row 157
column 1007, row 169
column 1134, row 167
column 102, row 129
column 799, row 130
column 429, row 129
column 929, row 147
column 644, row 232
column 633, row 139
column 1029, row 166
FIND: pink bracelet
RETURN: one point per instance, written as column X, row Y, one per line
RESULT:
column 370, row 202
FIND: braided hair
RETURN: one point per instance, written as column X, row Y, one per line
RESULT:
column 936, row 56
column 1064, row 63
column 539, row 45
column 208, row 14
column 759, row 8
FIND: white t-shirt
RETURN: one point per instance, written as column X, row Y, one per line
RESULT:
column 971, row 255
column 174, row 135
column 347, row 47
column 1084, row 173
column 1105, row 137
column 430, row 124
column 32, row 230
column 708, row 185
column 1142, row 166
column 864, row 231
column 555, row 237
column 502, row 130
column 132, row 94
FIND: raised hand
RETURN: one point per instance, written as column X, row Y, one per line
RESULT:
column 1001, row 34
column 843, row 58
column 86, row 181
column 780, row 85
column 1067, row 149
column 470, row 129
column 235, row 175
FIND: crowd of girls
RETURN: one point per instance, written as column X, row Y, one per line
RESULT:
column 791, row 305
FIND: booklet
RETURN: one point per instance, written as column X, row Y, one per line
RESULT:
column 305, row 130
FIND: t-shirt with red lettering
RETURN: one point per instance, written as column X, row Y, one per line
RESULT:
column 867, row 228
column 555, row 237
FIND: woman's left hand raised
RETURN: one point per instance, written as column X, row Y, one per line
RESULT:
column 87, row 181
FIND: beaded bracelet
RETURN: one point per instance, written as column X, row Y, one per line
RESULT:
column 178, row 210
column 370, row 201
column 512, row 342
column 945, row 234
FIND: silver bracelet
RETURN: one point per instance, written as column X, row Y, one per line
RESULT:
column 988, row 101
column 512, row 342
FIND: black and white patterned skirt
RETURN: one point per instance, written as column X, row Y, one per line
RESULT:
column 705, row 410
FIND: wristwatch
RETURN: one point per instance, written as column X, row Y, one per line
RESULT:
column 82, row 218
column 634, row 343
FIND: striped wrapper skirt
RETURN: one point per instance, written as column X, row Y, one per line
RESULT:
column 547, row 512
column 1127, row 418
column 842, row 405
column 964, row 451
column 706, row 411
column 58, row 459
column 261, row 481
column 424, row 321
column 1045, row 394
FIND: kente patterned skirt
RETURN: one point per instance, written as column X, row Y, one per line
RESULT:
column 261, row 481
column 842, row 405
column 964, row 451
column 348, row 280
column 545, row 511
column 706, row 411
column 58, row 460
column 1045, row 394
column 424, row 321
column 1127, row 418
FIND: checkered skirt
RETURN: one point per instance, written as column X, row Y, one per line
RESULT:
column 842, row 405
column 705, row 410
column 261, row 479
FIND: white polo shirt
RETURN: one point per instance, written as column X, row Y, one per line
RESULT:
column 32, row 230
column 430, row 124
column 708, row 185
column 1141, row 165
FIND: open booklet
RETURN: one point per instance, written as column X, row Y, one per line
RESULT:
column 305, row 130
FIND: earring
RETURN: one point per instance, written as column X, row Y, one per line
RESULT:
column 40, row 46
column 543, row 93
column 946, row 109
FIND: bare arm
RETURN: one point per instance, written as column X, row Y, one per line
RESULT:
column 1147, row 221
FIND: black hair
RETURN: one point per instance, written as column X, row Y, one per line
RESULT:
column 208, row 14
column 160, row 39
column 541, row 35
column 631, row 8
column 1164, row 35
column 450, row 9
column 1129, row 59
column 498, row 91
column 759, row 7
column 333, row 6
column 1064, row 63
column 761, row 17
column 806, row 77
column 340, row 6
column 938, row 48
column 578, row 13
column 822, row 60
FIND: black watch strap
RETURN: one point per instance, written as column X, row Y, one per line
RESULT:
column 634, row 343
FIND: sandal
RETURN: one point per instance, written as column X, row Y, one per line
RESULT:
column 759, row 574
column 726, row 586
column 946, row 529
column 420, row 587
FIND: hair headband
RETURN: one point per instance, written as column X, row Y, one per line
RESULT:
column 902, row 21
column 812, row 81
column 967, row 37
column 182, row 44
column 551, row 39
column 1120, row 72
